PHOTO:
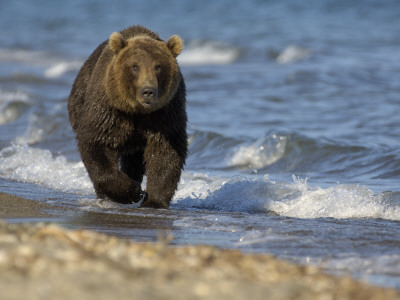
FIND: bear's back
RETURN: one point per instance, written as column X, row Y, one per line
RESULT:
column 78, row 92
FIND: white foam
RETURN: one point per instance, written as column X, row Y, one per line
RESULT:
column 59, row 68
column 33, row 135
column 41, row 126
column 208, row 53
column 54, row 66
column 23, row 56
column 197, row 186
column 292, row 54
column 10, row 105
column 341, row 202
column 260, row 154
column 201, row 191
column 12, row 96
column 221, row 194
column 28, row 164
column 297, row 199
column 34, row 132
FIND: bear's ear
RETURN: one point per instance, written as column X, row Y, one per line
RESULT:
column 117, row 42
column 175, row 45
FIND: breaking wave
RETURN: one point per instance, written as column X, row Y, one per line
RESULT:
column 292, row 54
column 208, row 53
column 51, row 65
column 28, row 164
column 297, row 199
column 12, row 105
column 224, row 193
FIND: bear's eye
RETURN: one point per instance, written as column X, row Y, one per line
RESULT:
column 157, row 68
column 135, row 67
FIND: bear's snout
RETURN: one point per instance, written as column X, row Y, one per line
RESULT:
column 149, row 95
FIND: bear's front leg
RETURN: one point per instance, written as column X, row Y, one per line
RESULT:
column 163, row 170
column 102, row 165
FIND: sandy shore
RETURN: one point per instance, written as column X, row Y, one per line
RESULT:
column 45, row 261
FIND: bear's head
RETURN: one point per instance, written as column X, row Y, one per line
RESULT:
column 143, row 75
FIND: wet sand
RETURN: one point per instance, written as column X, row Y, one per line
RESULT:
column 16, row 207
column 45, row 261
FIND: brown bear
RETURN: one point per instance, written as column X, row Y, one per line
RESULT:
column 128, row 109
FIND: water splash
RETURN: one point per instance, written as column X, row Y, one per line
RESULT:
column 292, row 54
column 12, row 105
column 215, row 193
column 208, row 53
column 27, row 164
column 297, row 199
column 260, row 153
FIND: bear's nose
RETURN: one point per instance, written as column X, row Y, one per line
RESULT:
column 149, row 93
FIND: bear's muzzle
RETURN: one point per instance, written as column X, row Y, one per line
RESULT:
column 149, row 96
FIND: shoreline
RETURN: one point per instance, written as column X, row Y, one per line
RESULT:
column 43, row 260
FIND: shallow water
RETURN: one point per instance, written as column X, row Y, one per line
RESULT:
column 293, row 125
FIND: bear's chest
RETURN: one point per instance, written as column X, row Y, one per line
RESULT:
column 116, row 131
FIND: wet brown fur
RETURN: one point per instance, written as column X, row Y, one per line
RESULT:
column 121, row 134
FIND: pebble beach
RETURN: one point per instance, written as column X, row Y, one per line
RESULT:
column 45, row 261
